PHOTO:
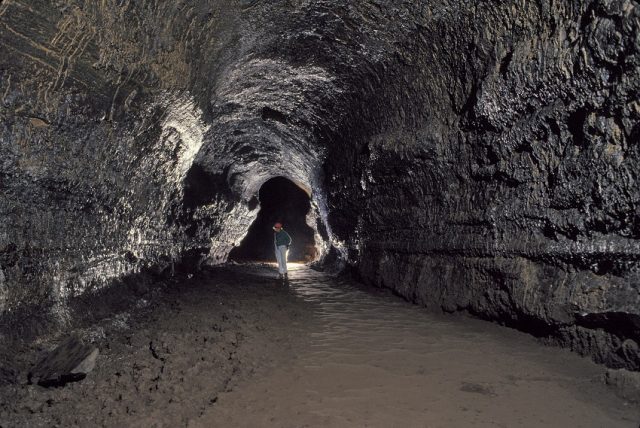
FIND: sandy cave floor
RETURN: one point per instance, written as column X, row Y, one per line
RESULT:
column 232, row 347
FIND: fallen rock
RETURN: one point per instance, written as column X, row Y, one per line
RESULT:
column 626, row 384
column 477, row 389
column 71, row 361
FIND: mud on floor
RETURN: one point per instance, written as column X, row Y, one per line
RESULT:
column 165, row 362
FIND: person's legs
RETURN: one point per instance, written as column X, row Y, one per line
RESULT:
column 279, row 260
column 282, row 259
column 285, row 254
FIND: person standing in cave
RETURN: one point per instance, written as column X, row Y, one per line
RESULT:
column 282, row 241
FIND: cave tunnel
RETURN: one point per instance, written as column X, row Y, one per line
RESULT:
column 284, row 202
column 476, row 158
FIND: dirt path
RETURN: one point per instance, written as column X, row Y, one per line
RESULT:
column 234, row 348
column 374, row 360
column 163, row 363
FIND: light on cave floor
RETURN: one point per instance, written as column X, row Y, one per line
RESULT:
column 290, row 265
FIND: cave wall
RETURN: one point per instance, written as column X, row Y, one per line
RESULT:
column 472, row 156
column 103, row 110
column 499, row 175
column 135, row 136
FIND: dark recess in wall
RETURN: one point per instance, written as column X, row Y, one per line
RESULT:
column 202, row 188
column 280, row 201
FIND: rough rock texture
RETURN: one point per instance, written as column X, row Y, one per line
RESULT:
column 475, row 156
column 166, row 360
column 625, row 383
column 98, row 133
column 70, row 361
column 514, row 194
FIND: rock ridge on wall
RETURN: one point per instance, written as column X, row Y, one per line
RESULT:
column 472, row 156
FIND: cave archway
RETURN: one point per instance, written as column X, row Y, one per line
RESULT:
column 280, row 201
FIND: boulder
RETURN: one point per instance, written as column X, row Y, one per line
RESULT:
column 626, row 384
column 70, row 361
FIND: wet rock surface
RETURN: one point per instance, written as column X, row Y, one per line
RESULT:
column 474, row 157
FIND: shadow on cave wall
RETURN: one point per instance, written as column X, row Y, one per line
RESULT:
column 280, row 201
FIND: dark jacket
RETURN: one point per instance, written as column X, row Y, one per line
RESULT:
column 282, row 238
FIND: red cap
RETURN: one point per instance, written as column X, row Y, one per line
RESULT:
column 277, row 226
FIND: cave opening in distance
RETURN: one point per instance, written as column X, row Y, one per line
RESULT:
column 280, row 201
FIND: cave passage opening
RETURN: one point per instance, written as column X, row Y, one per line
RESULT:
column 281, row 201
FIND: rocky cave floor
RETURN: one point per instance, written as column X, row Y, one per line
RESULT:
column 233, row 347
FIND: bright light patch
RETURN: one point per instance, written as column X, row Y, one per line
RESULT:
column 295, row 266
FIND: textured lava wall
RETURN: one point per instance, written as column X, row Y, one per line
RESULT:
column 134, row 134
column 475, row 156
column 98, row 130
column 495, row 170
